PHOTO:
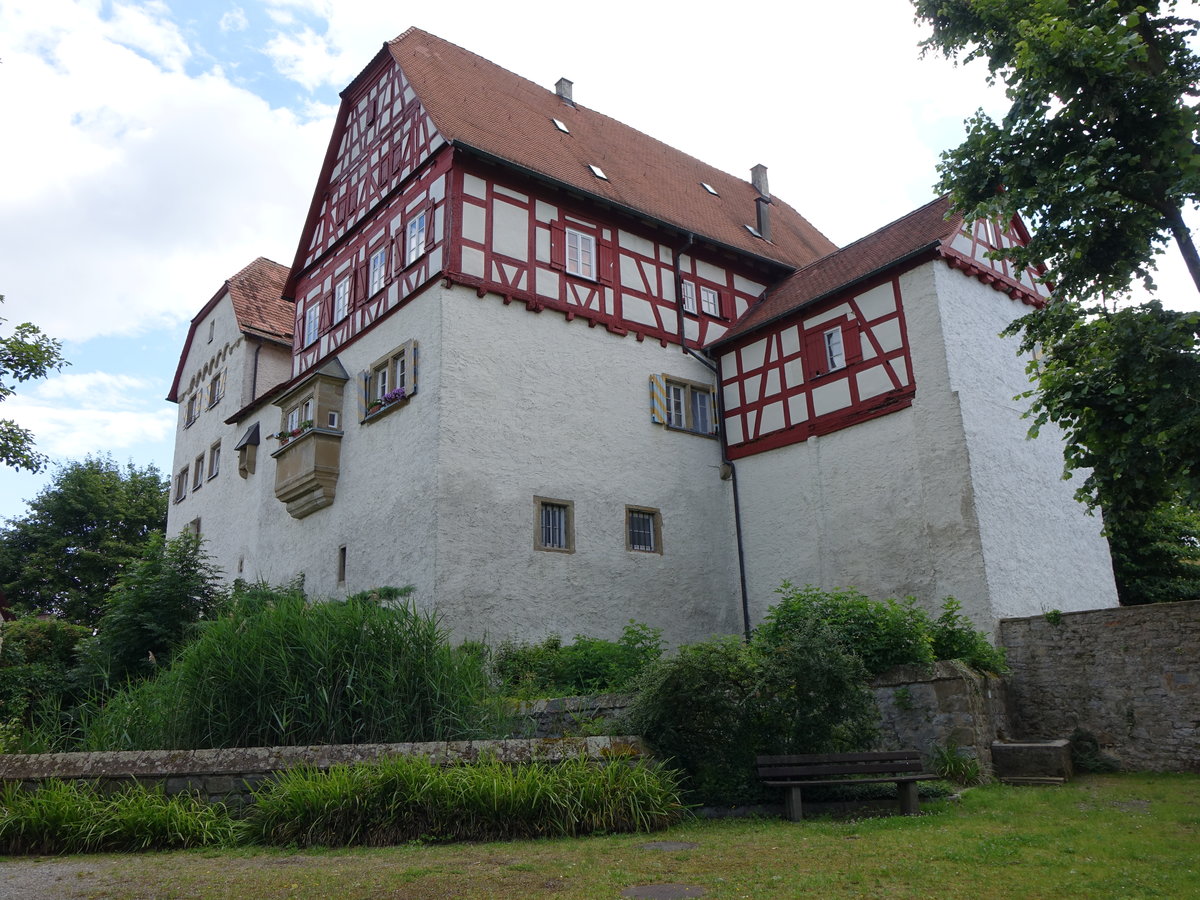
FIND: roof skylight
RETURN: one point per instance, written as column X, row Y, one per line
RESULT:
column 708, row 187
column 561, row 126
column 754, row 231
column 598, row 172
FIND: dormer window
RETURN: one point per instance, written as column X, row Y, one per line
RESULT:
column 598, row 172
column 561, row 126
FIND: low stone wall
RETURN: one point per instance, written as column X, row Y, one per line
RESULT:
column 950, row 705
column 571, row 716
column 1130, row 676
column 230, row 775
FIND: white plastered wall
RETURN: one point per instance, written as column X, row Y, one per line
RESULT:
column 945, row 498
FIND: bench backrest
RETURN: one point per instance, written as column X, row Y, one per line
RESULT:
column 816, row 765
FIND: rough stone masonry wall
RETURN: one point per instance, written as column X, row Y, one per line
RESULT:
column 1130, row 676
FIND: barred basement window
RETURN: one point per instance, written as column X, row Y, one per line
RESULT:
column 643, row 529
column 554, row 525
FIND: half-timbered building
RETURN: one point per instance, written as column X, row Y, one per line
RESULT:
column 557, row 375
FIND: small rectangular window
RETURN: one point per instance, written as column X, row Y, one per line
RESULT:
column 181, row 483
column 685, row 405
column 710, row 301
column 214, row 460
column 378, row 269
column 293, row 418
column 834, row 351
column 554, row 525
column 193, row 408
column 216, row 389
column 391, row 379
column 415, row 238
column 341, row 299
column 212, row 330
column 198, row 472
column 581, row 254
column 341, row 564
column 689, row 297
column 701, row 412
column 676, row 405
column 312, row 324
column 643, row 529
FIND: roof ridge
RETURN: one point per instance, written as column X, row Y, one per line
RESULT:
column 866, row 237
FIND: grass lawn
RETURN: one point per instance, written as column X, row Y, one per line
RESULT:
column 1117, row 836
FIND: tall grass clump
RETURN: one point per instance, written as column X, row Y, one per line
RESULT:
column 277, row 670
column 70, row 817
column 403, row 799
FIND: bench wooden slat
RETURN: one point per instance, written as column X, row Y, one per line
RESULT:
column 874, row 755
column 833, row 769
column 798, row 771
column 843, row 781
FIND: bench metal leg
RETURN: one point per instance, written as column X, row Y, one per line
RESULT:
column 909, row 804
column 795, row 809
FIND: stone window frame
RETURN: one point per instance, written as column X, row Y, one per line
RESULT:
column 541, row 504
column 655, row 516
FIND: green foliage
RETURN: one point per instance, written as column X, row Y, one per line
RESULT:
column 955, row 637
column 150, row 610
column 714, row 706
column 1054, row 616
column 277, row 670
column 69, row 817
column 882, row 634
column 1086, row 755
column 953, row 764
column 93, row 519
column 24, row 355
column 404, row 799
column 36, row 656
column 1124, row 387
column 1099, row 143
column 585, row 666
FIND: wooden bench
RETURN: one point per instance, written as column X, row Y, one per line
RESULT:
column 796, row 772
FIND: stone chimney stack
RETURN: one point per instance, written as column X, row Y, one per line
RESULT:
column 762, row 203
column 563, row 89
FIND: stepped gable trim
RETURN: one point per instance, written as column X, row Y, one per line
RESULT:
column 925, row 233
column 478, row 104
column 256, row 292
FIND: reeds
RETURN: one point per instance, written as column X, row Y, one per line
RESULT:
column 288, row 672
column 73, row 817
column 407, row 799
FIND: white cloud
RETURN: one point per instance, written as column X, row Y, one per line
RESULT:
column 94, row 390
column 147, row 29
column 234, row 20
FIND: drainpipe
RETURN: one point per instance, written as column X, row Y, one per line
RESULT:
column 728, row 469
column 254, row 371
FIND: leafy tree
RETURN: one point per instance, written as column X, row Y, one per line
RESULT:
column 65, row 554
column 1099, row 144
column 24, row 354
column 149, row 610
column 1124, row 386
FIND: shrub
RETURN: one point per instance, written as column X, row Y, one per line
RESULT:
column 36, row 656
column 955, row 637
column 277, row 670
column 587, row 665
column 404, row 799
column 68, row 817
column 715, row 705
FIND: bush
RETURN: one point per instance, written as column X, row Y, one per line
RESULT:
column 404, row 799
column 585, row 666
column 36, row 656
column 276, row 670
column 715, row 705
column 68, row 817
column 955, row 637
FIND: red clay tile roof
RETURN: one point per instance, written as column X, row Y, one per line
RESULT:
column 479, row 104
column 921, row 229
column 257, row 295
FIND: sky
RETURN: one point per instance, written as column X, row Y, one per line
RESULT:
column 152, row 149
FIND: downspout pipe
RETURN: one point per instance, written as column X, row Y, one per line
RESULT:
column 726, row 463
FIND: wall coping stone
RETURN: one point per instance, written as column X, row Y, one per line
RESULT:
column 243, row 761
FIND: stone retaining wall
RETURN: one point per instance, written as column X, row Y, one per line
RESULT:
column 230, row 775
column 1130, row 676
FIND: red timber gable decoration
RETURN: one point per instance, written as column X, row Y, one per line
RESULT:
column 828, row 347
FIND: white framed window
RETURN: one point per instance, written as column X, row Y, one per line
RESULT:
column 378, row 270
column 414, row 237
column 835, row 354
column 193, row 408
column 710, row 301
column 554, row 525
column 581, row 253
column 341, row 299
column 643, row 529
column 686, row 405
column 293, row 419
column 181, row 484
column 391, row 378
column 381, row 380
column 214, row 460
column 198, row 472
column 312, row 324
column 689, row 297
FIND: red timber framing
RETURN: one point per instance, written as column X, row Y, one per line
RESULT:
column 968, row 251
column 821, row 369
column 511, row 238
column 376, row 230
